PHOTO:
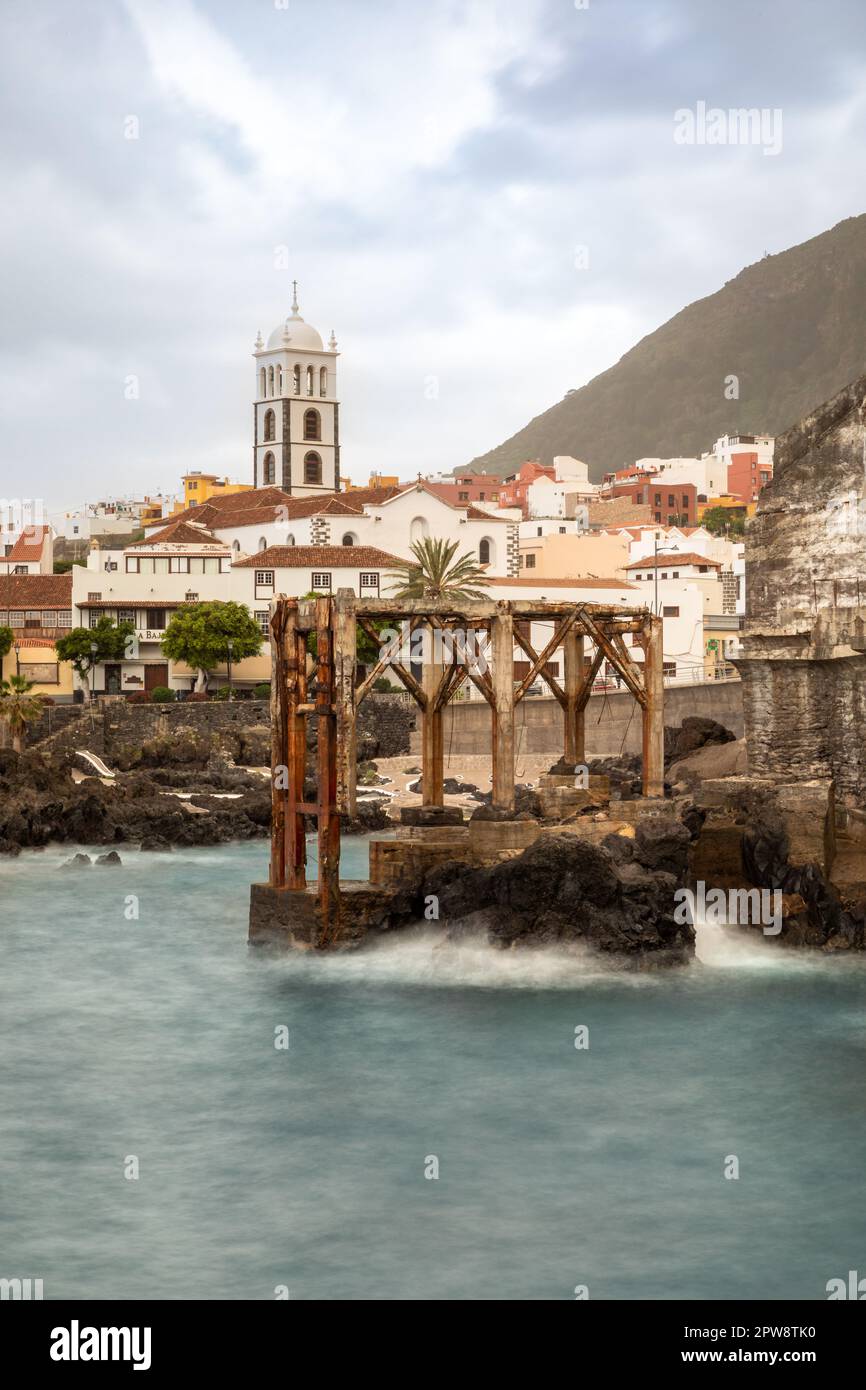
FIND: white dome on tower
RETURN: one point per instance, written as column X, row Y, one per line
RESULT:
column 294, row 333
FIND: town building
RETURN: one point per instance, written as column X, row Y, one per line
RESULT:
column 200, row 487
column 31, row 552
column 296, row 411
column 38, row 609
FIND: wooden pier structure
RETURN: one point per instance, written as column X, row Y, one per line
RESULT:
column 314, row 671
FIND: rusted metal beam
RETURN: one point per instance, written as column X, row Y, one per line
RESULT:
column 605, row 643
column 553, row 683
column 389, row 664
column 345, row 667
column 281, row 614
column 502, row 652
column 574, row 714
column 653, row 713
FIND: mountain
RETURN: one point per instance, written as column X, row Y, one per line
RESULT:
column 791, row 327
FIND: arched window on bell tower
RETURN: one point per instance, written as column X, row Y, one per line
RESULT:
column 270, row 381
column 269, row 469
column 270, row 426
column 263, row 383
column 312, row 425
column 279, row 380
column 309, row 381
column 323, row 381
column 312, row 469
column 297, row 375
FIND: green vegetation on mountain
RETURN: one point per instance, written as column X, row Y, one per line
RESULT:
column 791, row 328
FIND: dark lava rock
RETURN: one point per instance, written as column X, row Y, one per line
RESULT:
column 619, row 847
column 431, row 815
column 78, row 861
column 562, row 889
column 662, row 843
column 155, row 844
column 694, row 732
column 112, row 857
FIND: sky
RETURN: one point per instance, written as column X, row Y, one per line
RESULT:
column 487, row 200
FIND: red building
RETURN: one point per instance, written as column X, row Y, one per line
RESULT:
column 747, row 476
column 470, row 488
column 512, row 493
column 672, row 504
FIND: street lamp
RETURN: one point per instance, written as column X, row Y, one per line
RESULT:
column 231, row 646
column 17, row 659
column 94, row 650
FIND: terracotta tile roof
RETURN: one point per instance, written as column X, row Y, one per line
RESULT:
column 36, row 591
column 153, row 602
column 180, row 532
column 541, row 583
column 34, row 642
column 690, row 558
column 29, row 544
column 475, row 513
column 326, row 556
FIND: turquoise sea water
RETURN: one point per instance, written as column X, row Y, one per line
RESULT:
column 259, row 1167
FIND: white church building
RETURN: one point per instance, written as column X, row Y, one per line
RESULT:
column 297, row 413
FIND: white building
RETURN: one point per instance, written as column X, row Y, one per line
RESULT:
column 30, row 552
column 297, row 413
column 566, row 494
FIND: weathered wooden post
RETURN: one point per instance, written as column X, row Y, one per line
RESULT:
column 326, row 804
column 432, row 742
column 653, row 712
column 345, row 668
column 502, row 709
column 575, row 711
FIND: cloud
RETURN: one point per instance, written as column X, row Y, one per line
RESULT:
column 432, row 170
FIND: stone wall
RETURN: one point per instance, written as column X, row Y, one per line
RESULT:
column 613, row 722
column 804, row 656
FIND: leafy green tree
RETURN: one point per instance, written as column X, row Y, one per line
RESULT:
column 7, row 637
column 18, row 708
column 199, row 636
column 724, row 521
column 435, row 574
column 108, row 638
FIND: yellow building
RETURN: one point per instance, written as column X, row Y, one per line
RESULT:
column 729, row 503
column 377, row 480
column 586, row 556
column 200, row 487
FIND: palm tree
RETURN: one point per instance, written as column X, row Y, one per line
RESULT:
column 434, row 574
column 18, row 707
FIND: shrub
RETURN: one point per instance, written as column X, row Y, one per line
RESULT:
column 383, row 685
column 221, row 694
column 162, row 695
column 197, row 695
column 139, row 697
column 47, row 700
column 262, row 692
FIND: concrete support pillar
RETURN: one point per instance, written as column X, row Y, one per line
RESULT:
column 654, row 710
column 502, row 657
column 345, row 667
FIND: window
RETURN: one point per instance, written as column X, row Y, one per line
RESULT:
column 539, row 531
column 265, row 579
column 94, row 618
column 370, row 581
column 262, row 617
column 270, row 425
column 290, row 540
column 664, row 574
column 270, row 381
column 178, row 564
column 296, row 383
column 322, row 582
column 484, row 551
column 463, row 497
column 156, row 619
column 672, row 501
column 279, row 380
column 418, row 529
column 263, row 382
column 312, row 469
column 64, row 617
column 269, row 469
column 312, row 424
column 323, row 381
column 685, row 503
column 563, row 530
column 49, row 618
column 126, row 615
column 348, row 539
column 190, row 597
column 703, row 569
column 263, row 544
column 94, row 598
column 309, row 381
column 20, row 569
column 658, row 500
column 669, row 670
column 32, row 617
column 530, row 562
column 670, row 611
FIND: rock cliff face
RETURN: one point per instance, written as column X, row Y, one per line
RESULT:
column 804, row 663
